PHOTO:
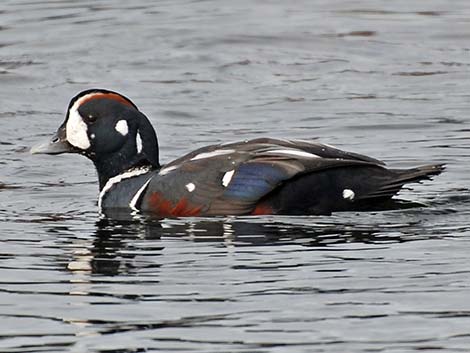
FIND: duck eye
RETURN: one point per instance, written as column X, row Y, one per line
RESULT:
column 91, row 118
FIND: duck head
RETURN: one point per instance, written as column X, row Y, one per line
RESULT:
column 108, row 128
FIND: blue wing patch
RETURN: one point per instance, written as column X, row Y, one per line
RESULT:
column 252, row 181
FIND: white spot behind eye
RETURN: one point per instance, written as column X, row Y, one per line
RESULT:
column 348, row 194
column 190, row 187
column 227, row 177
column 138, row 142
column 121, row 127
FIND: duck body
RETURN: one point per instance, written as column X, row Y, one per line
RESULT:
column 253, row 177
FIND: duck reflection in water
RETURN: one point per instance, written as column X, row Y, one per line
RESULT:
column 131, row 245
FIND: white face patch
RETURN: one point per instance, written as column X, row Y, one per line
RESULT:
column 227, row 177
column 212, row 154
column 348, row 194
column 293, row 153
column 121, row 127
column 138, row 142
column 190, row 187
column 76, row 129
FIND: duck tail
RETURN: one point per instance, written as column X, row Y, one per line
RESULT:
column 406, row 176
column 425, row 172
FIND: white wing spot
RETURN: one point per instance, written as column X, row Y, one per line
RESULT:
column 211, row 154
column 348, row 194
column 138, row 142
column 190, row 187
column 227, row 177
column 121, row 127
column 294, row 153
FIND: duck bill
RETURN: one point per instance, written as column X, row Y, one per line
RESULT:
column 58, row 144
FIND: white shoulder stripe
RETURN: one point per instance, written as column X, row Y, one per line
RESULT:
column 166, row 170
column 211, row 154
column 294, row 153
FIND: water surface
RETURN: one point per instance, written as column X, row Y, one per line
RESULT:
column 390, row 80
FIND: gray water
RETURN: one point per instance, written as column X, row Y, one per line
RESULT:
column 388, row 79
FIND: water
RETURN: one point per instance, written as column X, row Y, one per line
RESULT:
column 387, row 79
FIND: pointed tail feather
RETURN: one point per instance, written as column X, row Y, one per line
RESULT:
column 405, row 176
column 425, row 172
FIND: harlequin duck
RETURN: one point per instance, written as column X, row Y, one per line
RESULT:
column 253, row 177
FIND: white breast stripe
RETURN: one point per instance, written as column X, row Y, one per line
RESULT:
column 212, row 154
column 118, row 178
column 137, row 195
column 294, row 153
